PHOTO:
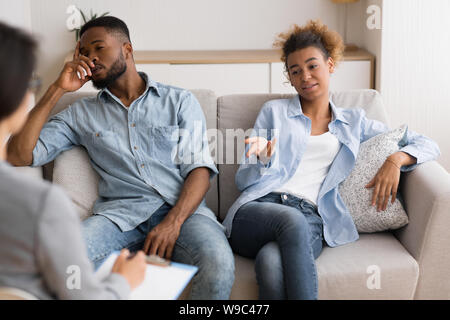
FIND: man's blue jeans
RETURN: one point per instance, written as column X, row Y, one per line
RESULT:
column 201, row 243
column 284, row 234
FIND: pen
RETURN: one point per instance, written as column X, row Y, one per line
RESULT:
column 157, row 260
column 153, row 259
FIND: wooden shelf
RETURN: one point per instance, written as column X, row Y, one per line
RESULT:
column 160, row 64
column 226, row 56
column 207, row 57
column 223, row 56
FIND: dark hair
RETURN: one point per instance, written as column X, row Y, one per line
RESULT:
column 111, row 24
column 303, row 40
column 17, row 62
column 313, row 34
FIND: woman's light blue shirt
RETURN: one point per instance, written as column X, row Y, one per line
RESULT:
column 284, row 119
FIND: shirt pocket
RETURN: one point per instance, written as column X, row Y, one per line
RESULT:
column 164, row 144
column 106, row 152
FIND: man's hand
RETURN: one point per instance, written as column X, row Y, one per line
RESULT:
column 260, row 146
column 76, row 72
column 161, row 240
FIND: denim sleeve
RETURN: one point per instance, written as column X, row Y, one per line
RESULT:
column 57, row 135
column 252, row 170
column 416, row 145
column 62, row 256
column 193, row 148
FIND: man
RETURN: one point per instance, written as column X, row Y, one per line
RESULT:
column 135, row 132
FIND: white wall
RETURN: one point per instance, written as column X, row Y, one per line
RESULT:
column 16, row 13
column 371, row 38
column 411, row 67
column 179, row 24
column 415, row 66
column 176, row 24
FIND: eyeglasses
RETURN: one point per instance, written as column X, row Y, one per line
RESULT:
column 35, row 84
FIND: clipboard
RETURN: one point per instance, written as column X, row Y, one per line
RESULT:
column 160, row 283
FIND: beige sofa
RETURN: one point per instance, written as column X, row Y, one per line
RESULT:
column 410, row 263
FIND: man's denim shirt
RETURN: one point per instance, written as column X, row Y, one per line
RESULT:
column 142, row 154
column 284, row 119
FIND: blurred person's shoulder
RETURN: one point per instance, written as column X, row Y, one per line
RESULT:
column 25, row 195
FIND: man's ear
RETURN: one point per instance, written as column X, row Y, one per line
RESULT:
column 128, row 50
column 330, row 64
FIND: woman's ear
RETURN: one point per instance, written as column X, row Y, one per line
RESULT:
column 330, row 64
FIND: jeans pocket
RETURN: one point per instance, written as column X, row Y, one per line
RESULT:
column 307, row 207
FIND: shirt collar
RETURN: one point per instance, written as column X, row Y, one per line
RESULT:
column 295, row 109
column 149, row 83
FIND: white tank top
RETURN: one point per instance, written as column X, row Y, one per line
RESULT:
column 313, row 168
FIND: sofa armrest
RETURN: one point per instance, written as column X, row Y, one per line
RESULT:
column 426, row 191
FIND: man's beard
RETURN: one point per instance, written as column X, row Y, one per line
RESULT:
column 117, row 69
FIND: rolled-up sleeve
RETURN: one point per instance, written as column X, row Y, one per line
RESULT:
column 193, row 148
column 57, row 135
column 419, row 146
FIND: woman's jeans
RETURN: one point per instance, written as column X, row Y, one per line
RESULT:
column 284, row 234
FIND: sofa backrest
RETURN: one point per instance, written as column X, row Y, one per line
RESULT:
column 73, row 171
column 240, row 112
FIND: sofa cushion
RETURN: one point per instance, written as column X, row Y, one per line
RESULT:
column 73, row 171
column 240, row 112
column 245, row 286
column 350, row 271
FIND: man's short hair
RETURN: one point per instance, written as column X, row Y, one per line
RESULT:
column 112, row 25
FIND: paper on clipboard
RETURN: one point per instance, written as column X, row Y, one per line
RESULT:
column 160, row 283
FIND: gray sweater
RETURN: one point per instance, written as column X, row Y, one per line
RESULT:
column 41, row 245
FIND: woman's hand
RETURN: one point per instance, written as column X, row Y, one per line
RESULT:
column 132, row 269
column 385, row 184
column 260, row 147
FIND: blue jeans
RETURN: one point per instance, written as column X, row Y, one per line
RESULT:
column 284, row 235
column 201, row 243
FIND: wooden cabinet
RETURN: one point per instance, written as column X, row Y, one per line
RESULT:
column 243, row 71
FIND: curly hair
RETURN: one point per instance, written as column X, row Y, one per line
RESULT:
column 314, row 34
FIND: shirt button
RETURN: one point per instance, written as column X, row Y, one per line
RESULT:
column 97, row 134
column 133, row 125
column 142, row 165
column 135, row 148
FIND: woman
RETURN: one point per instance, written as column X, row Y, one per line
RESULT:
column 283, row 213
column 41, row 247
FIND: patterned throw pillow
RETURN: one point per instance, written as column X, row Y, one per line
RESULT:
column 371, row 156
